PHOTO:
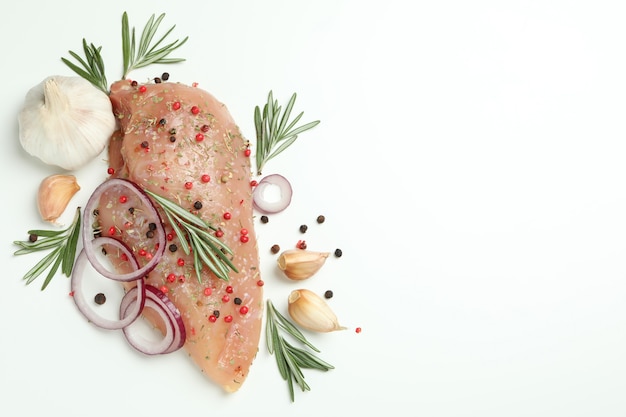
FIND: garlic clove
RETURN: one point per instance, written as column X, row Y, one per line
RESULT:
column 311, row 312
column 65, row 121
column 55, row 193
column 299, row 264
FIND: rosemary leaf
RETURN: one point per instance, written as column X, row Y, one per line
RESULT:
column 63, row 254
column 275, row 132
column 195, row 237
column 290, row 359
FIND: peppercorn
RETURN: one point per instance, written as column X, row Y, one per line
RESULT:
column 172, row 139
column 275, row 249
column 157, row 80
column 131, row 210
column 150, row 234
column 328, row 294
column 338, row 253
column 152, row 226
column 303, row 228
column 145, row 144
column 216, row 313
column 197, row 205
column 100, row 298
column 237, row 300
column 134, row 83
column 165, row 76
column 264, row 219
column 32, row 237
column 162, row 122
column 173, row 247
column 321, row 219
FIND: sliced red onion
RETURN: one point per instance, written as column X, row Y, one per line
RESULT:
column 87, row 230
column 175, row 334
column 79, row 297
column 263, row 202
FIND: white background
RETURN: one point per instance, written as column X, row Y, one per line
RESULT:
column 469, row 163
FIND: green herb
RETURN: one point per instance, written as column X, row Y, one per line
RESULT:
column 62, row 244
column 289, row 358
column 275, row 133
column 134, row 55
column 93, row 69
column 146, row 53
column 195, row 237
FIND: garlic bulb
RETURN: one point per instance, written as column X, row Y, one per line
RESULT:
column 65, row 121
column 299, row 264
column 55, row 192
column 311, row 312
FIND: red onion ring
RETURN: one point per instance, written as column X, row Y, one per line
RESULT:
column 87, row 230
column 79, row 297
column 264, row 205
column 175, row 334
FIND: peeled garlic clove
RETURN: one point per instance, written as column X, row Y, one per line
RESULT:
column 65, row 121
column 311, row 312
column 55, row 193
column 299, row 264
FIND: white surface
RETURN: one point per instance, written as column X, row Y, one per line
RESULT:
column 470, row 162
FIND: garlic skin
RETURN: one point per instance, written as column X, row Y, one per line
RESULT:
column 311, row 312
column 55, row 193
column 299, row 264
column 65, row 121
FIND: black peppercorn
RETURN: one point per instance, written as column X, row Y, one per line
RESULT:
column 134, row 83
column 338, row 253
column 173, row 247
column 264, row 219
column 150, row 234
column 275, row 249
column 237, row 300
column 32, row 237
column 216, row 313
column 162, row 122
column 172, row 139
column 131, row 210
column 152, row 226
column 303, row 228
column 197, row 205
column 328, row 294
column 165, row 76
column 100, row 298
column 145, row 144
column 321, row 219
column 157, row 80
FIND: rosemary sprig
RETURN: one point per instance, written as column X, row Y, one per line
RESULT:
column 146, row 53
column 275, row 133
column 289, row 358
column 195, row 237
column 92, row 69
column 134, row 56
column 63, row 245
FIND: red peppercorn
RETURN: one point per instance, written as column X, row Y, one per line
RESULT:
column 176, row 105
column 205, row 178
column 244, row 231
column 247, row 152
column 164, row 289
column 205, row 128
column 143, row 89
column 180, row 262
column 260, row 283
column 208, row 291
column 228, row 318
column 358, row 330
column 199, row 137
column 142, row 252
column 243, row 310
column 212, row 318
column 229, row 289
column 244, row 239
column 225, row 298
column 110, row 171
column 227, row 216
column 219, row 233
column 253, row 183
column 188, row 185
column 123, row 199
column 171, row 278
column 170, row 236
column 111, row 230
column 195, row 110
column 181, row 279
